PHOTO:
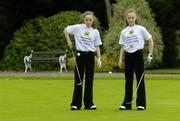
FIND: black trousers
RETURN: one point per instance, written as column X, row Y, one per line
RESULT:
column 85, row 62
column 134, row 63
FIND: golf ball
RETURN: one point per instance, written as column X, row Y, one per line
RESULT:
column 110, row 72
column 78, row 54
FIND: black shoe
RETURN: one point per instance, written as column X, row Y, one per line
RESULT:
column 93, row 107
column 141, row 108
column 74, row 108
column 122, row 107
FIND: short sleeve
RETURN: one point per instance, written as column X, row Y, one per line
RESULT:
column 121, row 39
column 72, row 29
column 98, row 39
column 146, row 34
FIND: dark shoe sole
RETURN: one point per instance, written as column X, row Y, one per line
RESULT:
column 90, row 108
column 124, row 109
column 73, row 109
column 141, row 109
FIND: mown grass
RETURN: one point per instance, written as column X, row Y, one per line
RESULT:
column 163, row 71
column 48, row 99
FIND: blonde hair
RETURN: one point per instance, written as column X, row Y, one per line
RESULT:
column 131, row 10
column 90, row 13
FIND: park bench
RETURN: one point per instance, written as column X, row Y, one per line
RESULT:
column 45, row 56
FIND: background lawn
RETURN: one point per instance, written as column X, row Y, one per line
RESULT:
column 48, row 99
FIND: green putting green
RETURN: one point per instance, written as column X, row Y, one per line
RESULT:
column 48, row 99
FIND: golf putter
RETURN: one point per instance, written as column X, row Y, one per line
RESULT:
column 136, row 89
column 80, row 82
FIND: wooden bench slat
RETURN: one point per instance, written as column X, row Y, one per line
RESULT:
column 45, row 59
column 45, row 52
column 42, row 56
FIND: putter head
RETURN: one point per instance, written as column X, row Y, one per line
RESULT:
column 79, row 83
column 130, row 102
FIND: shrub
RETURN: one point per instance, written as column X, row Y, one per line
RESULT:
column 117, row 23
column 42, row 34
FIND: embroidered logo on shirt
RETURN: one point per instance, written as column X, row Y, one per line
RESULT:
column 131, row 32
column 86, row 34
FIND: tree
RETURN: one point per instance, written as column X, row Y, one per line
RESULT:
column 117, row 24
column 14, row 12
column 108, row 10
column 6, row 25
column 41, row 33
column 167, row 17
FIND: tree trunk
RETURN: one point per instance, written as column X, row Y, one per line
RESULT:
column 108, row 10
column 177, row 33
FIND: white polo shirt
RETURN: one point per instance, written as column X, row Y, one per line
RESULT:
column 133, row 37
column 86, row 39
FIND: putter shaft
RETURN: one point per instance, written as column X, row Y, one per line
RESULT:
column 136, row 89
column 77, row 69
